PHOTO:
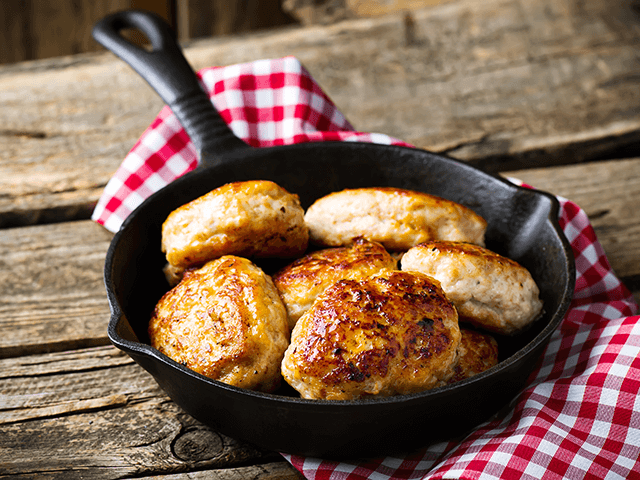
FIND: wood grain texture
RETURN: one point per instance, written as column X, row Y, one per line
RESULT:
column 52, row 294
column 322, row 12
column 13, row 31
column 61, row 139
column 35, row 29
column 93, row 413
column 525, row 82
column 506, row 84
column 206, row 18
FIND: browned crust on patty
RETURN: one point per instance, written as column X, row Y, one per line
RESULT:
column 225, row 321
column 254, row 219
column 300, row 282
column 392, row 333
column 478, row 351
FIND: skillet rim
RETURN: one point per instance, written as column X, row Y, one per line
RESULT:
column 540, row 340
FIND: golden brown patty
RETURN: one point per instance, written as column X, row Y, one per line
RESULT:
column 397, row 218
column 477, row 352
column 248, row 219
column 225, row 321
column 303, row 280
column 392, row 333
column 490, row 291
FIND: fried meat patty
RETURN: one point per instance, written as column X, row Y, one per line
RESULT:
column 397, row 218
column 490, row 291
column 478, row 351
column 300, row 282
column 391, row 333
column 249, row 219
column 225, row 321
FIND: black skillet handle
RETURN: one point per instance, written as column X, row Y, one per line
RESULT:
column 167, row 71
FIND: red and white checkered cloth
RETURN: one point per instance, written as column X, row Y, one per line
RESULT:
column 580, row 415
column 266, row 103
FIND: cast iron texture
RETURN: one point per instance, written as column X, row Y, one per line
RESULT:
column 522, row 224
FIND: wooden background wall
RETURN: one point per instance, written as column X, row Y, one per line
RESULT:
column 33, row 29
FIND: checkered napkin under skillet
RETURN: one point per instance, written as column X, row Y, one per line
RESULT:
column 580, row 415
column 265, row 103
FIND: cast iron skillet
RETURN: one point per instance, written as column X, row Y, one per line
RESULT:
column 522, row 224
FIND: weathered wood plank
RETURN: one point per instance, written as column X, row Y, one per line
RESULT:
column 61, row 139
column 52, row 296
column 31, row 29
column 540, row 81
column 507, row 84
column 32, row 388
column 94, row 413
column 313, row 12
column 204, row 18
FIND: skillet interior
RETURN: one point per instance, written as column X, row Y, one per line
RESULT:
column 521, row 225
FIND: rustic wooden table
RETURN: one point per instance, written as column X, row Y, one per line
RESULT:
column 543, row 90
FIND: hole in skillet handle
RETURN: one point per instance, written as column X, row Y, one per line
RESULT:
column 167, row 71
column 137, row 38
